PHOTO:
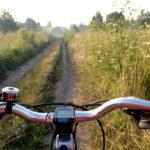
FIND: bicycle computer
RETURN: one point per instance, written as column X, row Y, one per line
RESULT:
column 64, row 118
column 64, row 114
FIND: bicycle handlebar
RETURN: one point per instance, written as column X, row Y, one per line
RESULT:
column 28, row 114
column 129, row 102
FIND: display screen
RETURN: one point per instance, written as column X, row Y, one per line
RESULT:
column 65, row 113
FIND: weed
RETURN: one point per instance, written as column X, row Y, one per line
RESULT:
column 111, row 64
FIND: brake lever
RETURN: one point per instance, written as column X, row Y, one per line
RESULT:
column 141, row 117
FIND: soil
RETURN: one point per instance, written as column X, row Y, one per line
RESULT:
column 64, row 87
column 66, row 92
column 14, row 76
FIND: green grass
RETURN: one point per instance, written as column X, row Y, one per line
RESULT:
column 18, row 47
column 112, row 64
column 37, row 86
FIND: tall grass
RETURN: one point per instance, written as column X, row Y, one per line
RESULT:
column 37, row 86
column 112, row 64
column 18, row 47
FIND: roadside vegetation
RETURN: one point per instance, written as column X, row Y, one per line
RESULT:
column 18, row 47
column 37, row 86
column 111, row 59
column 19, row 42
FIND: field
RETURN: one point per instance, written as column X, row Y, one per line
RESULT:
column 74, row 53
column 111, row 64
column 20, row 46
column 37, row 86
column 107, row 63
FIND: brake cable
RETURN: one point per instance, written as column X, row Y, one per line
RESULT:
column 101, row 127
column 82, row 107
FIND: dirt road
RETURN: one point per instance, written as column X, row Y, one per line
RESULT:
column 64, row 88
column 65, row 92
column 14, row 76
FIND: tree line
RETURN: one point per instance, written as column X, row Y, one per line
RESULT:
column 7, row 23
column 113, row 19
column 97, row 21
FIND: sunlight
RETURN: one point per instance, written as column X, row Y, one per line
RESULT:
column 64, row 12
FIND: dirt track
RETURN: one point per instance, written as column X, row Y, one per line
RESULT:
column 65, row 92
column 64, row 88
column 14, row 76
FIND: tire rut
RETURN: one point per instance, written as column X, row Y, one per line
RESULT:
column 16, row 75
column 64, row 87
column 65, row 92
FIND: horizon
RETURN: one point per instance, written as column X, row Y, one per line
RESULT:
column 66, row 12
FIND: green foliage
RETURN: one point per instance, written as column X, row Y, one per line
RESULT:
column 96, row 22
column 31, row 24
column 7, row 22
column 82, row 27
column 37, row 86
column 115, row 16
column 68, row 36
column 20, row 46
column 143, row 18
column 74, row 28
column 112, row 64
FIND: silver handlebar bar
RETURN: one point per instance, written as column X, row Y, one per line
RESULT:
column 28, row 114
column 129, row 102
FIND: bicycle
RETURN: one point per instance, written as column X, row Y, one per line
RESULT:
column 67, row 116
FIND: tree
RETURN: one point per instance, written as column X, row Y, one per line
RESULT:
column 31, row 24
column 74, row 28
column 96, row 22
column 115, row 16
column 143, row 18
column 49, row 25
column 82, row 27
column 7, row 22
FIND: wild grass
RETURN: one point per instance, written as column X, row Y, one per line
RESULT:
column 111, row 64
column 18, row 47
column 37, row 86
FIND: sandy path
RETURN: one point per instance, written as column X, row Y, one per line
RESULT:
column 64, row 87
column 14, row 76
column 65, row 92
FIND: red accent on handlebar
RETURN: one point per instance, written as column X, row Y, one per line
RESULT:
column 10, row 97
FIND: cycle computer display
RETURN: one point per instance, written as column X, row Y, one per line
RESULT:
column 64, row 114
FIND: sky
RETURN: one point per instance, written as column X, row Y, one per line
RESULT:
column 66, row 12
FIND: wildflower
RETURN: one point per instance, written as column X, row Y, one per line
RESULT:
column 17, row 134
column 146, row 43
column 23, row 126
